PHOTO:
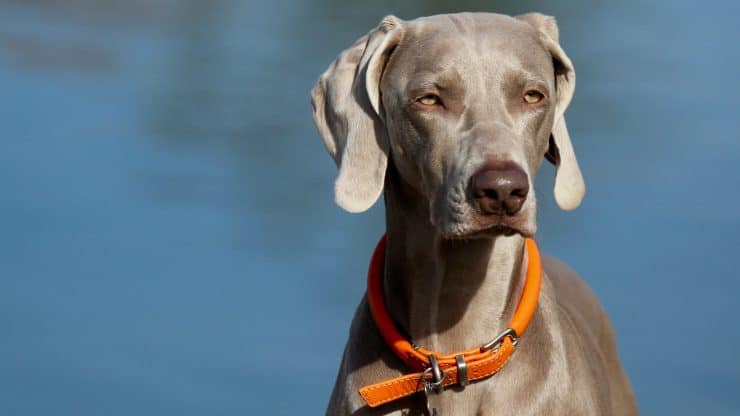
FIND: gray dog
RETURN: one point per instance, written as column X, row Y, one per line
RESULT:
column 451, row 116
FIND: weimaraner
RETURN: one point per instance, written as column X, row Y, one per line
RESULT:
column 450, row 116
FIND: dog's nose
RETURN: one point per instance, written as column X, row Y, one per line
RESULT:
column 500, row 189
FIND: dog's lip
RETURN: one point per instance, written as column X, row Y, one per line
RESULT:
column 495, row 229
column 501, row 224
column 501, row 228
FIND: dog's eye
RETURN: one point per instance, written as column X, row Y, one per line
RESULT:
column 429, row 99
column 533, row 97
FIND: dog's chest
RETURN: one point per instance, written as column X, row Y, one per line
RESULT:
column 516, row 391
column 548, row 374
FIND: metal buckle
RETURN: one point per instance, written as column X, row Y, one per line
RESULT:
column 437, row 384
column 434, row 386
column 496, row 342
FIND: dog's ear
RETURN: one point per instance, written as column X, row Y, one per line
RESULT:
column 347, row 112
column 569, row 185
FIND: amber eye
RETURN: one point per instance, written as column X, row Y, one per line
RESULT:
column 533, row 97
column 429, row 99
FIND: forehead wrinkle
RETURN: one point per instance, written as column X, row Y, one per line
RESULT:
column 442, row 79
column 524, row 75
column 499, row 69
column 455, row 19
column 438, row 53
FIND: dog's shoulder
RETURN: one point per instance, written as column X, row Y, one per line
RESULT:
column 575, row 298
column 579, row 305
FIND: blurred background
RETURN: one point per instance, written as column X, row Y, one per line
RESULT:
column 168, row 238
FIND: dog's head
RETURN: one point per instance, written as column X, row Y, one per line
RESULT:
column 465, row 105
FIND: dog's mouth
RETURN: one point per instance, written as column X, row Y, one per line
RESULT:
column 499, row 229
column 465, row 221
column 487, row 226
column 491, row 229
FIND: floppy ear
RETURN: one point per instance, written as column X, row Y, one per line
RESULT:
column 347, row 112
column 569, row 185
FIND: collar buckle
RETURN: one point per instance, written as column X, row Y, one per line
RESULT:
column 437, row 384
column 434, row 386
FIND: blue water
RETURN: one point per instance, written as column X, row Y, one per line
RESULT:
column 168, row 240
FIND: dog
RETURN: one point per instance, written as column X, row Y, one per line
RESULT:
column 450, row 117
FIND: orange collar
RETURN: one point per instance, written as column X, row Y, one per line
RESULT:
column 434, row 371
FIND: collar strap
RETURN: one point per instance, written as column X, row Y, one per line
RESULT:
column 434, row 370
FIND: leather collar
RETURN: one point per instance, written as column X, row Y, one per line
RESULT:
column 434, row 371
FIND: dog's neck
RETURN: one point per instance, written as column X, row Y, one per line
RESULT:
column 447, row 295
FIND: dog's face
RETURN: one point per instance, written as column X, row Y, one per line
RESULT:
column 466, row 105
column 466, row 100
